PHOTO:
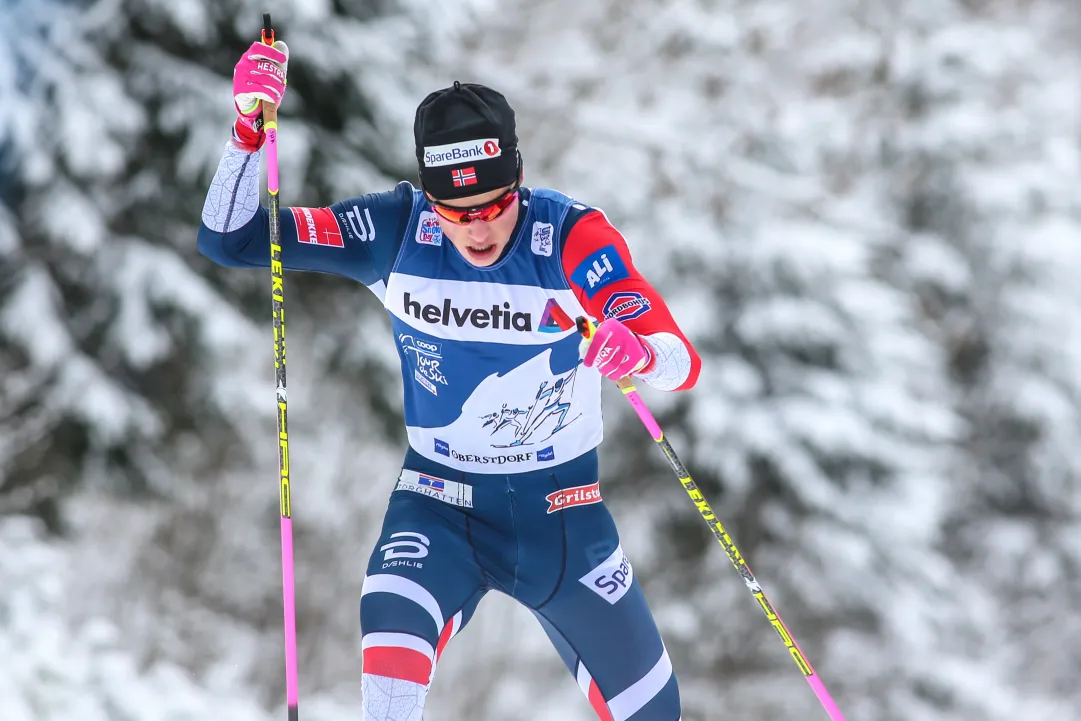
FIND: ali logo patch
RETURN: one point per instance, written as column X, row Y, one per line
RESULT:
column 600, row 268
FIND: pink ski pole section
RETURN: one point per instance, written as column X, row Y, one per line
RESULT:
column 272, row 157
column 291, row 678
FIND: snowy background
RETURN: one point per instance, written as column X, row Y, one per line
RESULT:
column 865, row 213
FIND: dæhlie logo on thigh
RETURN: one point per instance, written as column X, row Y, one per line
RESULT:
column 405, row 552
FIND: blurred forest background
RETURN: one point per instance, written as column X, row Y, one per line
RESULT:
column 865, row 213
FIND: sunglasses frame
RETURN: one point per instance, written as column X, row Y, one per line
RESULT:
column 477, row 212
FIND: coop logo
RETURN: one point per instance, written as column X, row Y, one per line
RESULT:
column 626, row 305
column 454, row 153
column 405, row 552
column 428, row 230
column 612, row 578
column 570, row 497
column 447, row 314
column 427, row 346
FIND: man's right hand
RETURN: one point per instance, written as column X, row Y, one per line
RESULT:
column 259, row 77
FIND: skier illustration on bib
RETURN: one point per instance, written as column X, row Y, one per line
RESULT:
column 505, row 417
column 547, row 404
column 473, row 262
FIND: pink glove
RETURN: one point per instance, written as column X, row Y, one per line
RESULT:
column 259, row 76
column 615, row 350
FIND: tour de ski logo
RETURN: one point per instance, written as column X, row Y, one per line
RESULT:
column 427, row 357
column 428, row 230
column 548, row 414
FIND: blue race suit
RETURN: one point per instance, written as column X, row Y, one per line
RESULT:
column 499, row 489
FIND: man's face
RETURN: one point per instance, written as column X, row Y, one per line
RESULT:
column 480, row 242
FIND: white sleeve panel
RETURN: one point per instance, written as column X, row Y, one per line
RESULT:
column 233, row 198
column 673, row 362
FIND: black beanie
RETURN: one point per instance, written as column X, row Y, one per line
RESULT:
column 465, row 139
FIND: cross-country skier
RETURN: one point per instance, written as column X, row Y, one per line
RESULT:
column 474, row 269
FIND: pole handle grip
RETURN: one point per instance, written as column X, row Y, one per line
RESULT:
column 270, row 110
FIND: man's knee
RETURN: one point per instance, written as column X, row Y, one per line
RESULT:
column 391, row 602
column 403, row 632
column 401, row 645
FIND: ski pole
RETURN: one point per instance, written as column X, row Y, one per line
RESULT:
column 277, row 295
column 586, row 328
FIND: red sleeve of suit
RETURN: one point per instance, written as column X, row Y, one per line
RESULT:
column 598, row 264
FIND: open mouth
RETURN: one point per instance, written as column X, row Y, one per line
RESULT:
column 481, row 252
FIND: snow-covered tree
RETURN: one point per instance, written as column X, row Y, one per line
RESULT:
column 993, row 135
column 136, row 403
column 776, row 172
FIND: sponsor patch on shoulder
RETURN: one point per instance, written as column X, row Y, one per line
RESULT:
column 317, row 226
column 600, row 268
column 357, row 223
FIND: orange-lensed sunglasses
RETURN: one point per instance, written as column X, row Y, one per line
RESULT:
column 487, row 212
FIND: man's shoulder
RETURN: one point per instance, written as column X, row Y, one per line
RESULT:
column 551, row 195
column 376, row 215
column 557, row 204
column 400, row 194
